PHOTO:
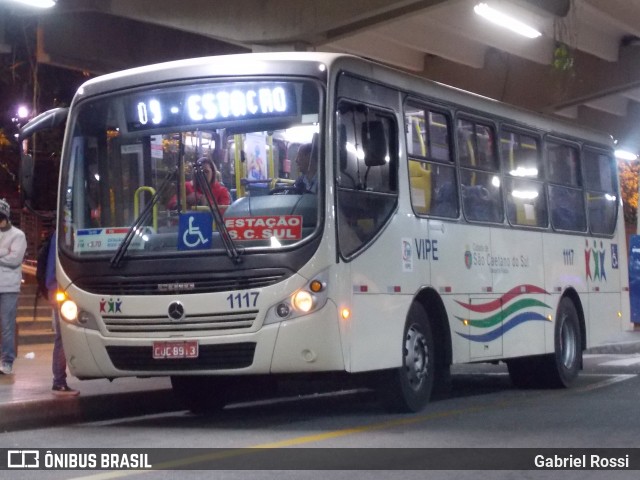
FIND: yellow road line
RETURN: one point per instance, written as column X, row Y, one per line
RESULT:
column 291, row 442
column 297, row 441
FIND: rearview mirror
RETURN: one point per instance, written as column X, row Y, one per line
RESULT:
column 45, row 121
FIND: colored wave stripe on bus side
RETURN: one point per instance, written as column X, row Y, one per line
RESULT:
column 504, row 328
column 498, row 302
column 507, row 312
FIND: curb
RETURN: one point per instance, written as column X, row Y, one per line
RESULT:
column 66, row 410
column 35, row 337
column 56, row 411
column 616, row 348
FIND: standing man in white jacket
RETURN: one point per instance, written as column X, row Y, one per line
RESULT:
column 13, row 244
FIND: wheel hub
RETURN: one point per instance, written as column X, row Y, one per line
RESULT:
column 568, row 345
column 416, row 357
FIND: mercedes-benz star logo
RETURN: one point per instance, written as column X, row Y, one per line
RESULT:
column 176, row 311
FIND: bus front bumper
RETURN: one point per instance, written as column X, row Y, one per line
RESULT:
column 306, row 344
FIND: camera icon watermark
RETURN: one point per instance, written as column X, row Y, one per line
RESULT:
column 23, row 459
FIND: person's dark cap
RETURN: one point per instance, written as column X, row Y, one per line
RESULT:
column 5, row 209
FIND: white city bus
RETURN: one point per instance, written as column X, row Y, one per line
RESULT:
column 445, row 228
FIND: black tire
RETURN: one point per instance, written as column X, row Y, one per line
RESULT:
column 559, row 369
column 563, row 366
column 201, row 395
column 408, row 388
column 525, row 372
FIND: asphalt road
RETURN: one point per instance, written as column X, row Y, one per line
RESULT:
column 483, row 411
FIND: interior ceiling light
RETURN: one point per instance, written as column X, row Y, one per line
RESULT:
column 505, row 21
column 38, row 3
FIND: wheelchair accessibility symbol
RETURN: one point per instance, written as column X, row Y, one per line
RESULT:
column 195, row 231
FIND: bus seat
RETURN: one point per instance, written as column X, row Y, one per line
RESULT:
column 564, row 218
column 525, row 213
column 420, row 184
column 445, row 203
column 566, row 208
column 477, row 203
column 601, row 213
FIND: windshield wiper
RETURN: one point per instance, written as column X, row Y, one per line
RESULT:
column 205, row 187
column 138, row 222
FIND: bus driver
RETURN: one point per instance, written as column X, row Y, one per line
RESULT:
column 307, row 182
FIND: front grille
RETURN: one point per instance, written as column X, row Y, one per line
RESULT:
column 191, row 283
column 210, row 357
column 210, row 322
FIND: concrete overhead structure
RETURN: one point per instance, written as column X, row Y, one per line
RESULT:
column 584, row 66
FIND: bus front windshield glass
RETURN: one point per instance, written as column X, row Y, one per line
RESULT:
column 186, row 168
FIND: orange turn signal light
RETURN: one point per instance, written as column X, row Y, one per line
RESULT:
column 315, row 286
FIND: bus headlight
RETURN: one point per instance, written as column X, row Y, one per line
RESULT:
column 308, row 299
column 69, row 310
column 303, row 301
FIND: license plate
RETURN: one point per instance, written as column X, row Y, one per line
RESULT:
column 175, row 349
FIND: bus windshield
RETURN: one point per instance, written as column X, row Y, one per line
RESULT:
column 132, row 158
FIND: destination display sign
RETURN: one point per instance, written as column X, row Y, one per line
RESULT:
column 210, row 103
column 282, row 227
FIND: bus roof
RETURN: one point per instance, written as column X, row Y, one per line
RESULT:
column 309, row 63
column 205, row 67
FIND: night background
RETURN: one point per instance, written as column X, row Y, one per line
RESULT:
column 41, row 86
column 38, row 87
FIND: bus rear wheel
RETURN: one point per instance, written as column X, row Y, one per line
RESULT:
column 563, row 366
column 201, row 394
column 560, row 368
column 408, row 388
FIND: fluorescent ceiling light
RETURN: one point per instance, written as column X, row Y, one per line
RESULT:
column 38, row 3
column 625, row 155
column 524, row 172
column 505, row 21
column 525, row 194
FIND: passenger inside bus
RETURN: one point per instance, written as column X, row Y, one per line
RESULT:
column 194, row 194
column 307, row 163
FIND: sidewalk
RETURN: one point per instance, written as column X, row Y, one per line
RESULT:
column 26, row 400
column 620, row 343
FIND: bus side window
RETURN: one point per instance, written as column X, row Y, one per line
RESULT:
column 432, row 181
column 524, row 190
column 420, row 183
column 367, row 179
column 479, row 178
column 602, row 198
column 445, row 195
column 566, row 198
